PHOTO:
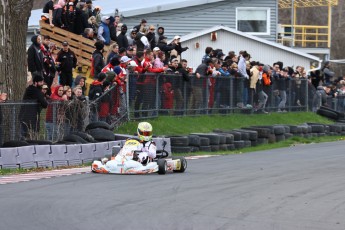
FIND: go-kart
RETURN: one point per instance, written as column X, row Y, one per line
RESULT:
column 131, row 160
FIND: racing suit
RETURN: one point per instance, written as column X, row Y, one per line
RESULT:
column 149, row 147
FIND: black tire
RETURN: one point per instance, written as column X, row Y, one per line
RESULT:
column 328, row 114
column 280, row 137
column 195, row 149
column 222, row 139
column 254, row 143
column 183, row 164
column 162, row 166
column 14, row 143
column 288, row 135
column 204, row 141
column 335, row 128
column 272, row 138
column 307, row 135
column 74, row 138
column 181, row 149
column 214, row 138
column 278, row 130
column 102, row 134
column 229, row 138
column 304, row 129
column 293, row 129
column 252, row 134
column 162, row 153
column 39, row 142
column 87, row 137
column 223, row 147
column 287, row 128
column 237, row 135
column 262, row 132
column 239, row 144
column 262, row 141
column 247, row 144
column 179, row 141
column 231, row 147
column 194, row 140
column 205, row 148
column 340, row 115
column 98, row 124
column 214, row 148
column 315, row 128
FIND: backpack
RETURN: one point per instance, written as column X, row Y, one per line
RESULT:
column 266, row 79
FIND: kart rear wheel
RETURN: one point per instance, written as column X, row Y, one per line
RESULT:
column 162, row 166
column 183, row 164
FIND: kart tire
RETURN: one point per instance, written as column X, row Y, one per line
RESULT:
column 204, row 141
column 231, row 147
column 222, row 139
column 252, row 135
column 194, row 140
column 183, row 164
column 237, row 135
column 195, row 149
column 272, row 138
column 293, row 129
column 287, row 128
column 87, row 137
column 335, row 128
column 223, row 147
column 214, row 148
column 98, row 124
column 181, row 149
column 278, row 130
column 304, row 129
column 247, row 144
column 239, row 144
column 262, row 132
column 179, row 141
column 280, row 137
column 229, row 138
column 315, row 128
column 254, row 143
column 262, row 141
column 162, row 166
column 213, row 137
column 13, row 143
column 100, row 134
column 74, row 138
column 39, row 142
column 328, row 114
column 340, row 115
column 205, row 148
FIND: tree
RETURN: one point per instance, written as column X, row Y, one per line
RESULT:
column 14, row 17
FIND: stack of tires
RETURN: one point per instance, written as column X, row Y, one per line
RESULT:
column 100, row 131
column 331, row 114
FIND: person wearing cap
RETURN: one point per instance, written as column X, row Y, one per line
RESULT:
column 156, row 50
column 29, row 114
column 142, row 26
column 103, row 33
column 122, row 37
column 67, row 61
column 178, row 47
column 97, row 62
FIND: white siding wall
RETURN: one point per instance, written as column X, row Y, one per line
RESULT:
column 191, row 19
column 232, row 42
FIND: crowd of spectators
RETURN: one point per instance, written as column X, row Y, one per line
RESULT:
column 143, row 51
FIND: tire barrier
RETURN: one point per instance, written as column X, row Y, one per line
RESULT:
column 229, row 140
column 34, row 154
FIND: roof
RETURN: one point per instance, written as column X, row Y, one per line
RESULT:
column 261, row 40
column 130, row 8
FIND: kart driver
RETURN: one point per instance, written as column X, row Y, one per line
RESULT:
column 145, row 137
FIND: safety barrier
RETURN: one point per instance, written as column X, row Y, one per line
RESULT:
column 35, row 156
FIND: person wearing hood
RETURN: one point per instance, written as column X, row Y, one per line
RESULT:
column 103, row 33
column 54, row 110
column 160, row 32
column 122, row 40
column 35, row 56
column 97, row 63
column 151, row 37
column 130, row 37
column 80, row 81
column 29, row 114
column 112, row 29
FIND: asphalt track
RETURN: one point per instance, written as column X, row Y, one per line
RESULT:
column 300, row 187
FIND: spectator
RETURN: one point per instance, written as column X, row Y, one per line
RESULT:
column 179, row 85
column 282, row 79
column 159, row 60
column 163, row 46
column 113, row 62
column 130, row 52
column 96, row 91
column 103, row 33
column 47, row 15
column 89, row 34
column 69, row 13
column 97, row 13
column 67, row 61
column 178, row 47
column 131, row 37
column 122, row 38
column 29, row 114
column 49, row 69
column 57, row 13
column 207, row 55
column 97, row 59
column 141, row 41
column 160, row 32
column 151, row 37
column 76, row 110
column 105, row 103
column 328, row 75
column 67, row 93
column 55, row 114
column 35, row 56
column 114, row 50
column 223, row 88
column 113, row 29
column 93, row 25
column 168, row 97
column 141, row 27
column 254, row 78
column 80, row 81
column 323, row 92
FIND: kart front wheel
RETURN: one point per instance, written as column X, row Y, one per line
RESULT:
column 162, row 166
column 183, row 163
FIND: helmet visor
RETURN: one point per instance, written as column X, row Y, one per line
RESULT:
column 145, row 133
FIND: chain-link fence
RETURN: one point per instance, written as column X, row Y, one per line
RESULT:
column 151, row 95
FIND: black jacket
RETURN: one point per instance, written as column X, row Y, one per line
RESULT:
column 35, row 56
column 98, row 62
column 122, row 40
column 68, row 61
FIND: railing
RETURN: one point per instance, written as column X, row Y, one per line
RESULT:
column 305, row 36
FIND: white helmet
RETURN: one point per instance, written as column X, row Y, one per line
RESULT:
column 145, row 131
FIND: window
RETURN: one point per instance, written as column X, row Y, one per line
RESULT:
column 253, row 20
